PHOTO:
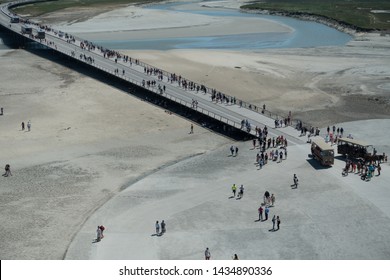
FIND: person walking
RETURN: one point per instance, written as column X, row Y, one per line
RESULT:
column 272, row 199
column 231, row 150
column 207, row 254
column 102, row 228
column 265, row 197
column 163, row 227
column 234, row 189
column 269, row 201
column 295, row 180
column 9, row 173
column 273, row 222
column 277, row 223
column 157, row 228
column 98, row 234
column 28, row 125
column 261, row 213
column 7, row 169
column 266, row 211
column 22, row 125
column 241, row 193
column 261, row 163
column 192, row 129
column 236, row 150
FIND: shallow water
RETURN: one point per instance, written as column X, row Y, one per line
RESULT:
column 233, row 42
column 305, row 34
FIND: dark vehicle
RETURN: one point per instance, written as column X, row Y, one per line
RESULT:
column 359, row 150
column 14, row 20
column 322, row 152
column 26, row 29
column 356, row 149
column 41, row 34
column 351, row 147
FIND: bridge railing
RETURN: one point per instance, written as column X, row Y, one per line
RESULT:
column 208, row 90
column 155, row 90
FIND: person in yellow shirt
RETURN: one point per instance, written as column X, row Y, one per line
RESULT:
column 234, row 189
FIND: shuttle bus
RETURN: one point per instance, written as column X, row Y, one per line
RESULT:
column 14, row 20
column 41, row 34
column 322, row 152
column 26, row 29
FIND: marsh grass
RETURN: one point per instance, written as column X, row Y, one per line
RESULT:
column 354, row 12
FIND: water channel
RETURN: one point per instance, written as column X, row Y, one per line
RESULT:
column 305, row 34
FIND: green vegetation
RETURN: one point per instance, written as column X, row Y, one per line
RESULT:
column 357, row 13
column 38, row 9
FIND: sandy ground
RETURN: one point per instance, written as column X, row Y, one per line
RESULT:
column 89, row 141
column 319, row 85
column 329, row 217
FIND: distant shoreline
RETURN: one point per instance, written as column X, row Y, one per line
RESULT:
column 339, row 25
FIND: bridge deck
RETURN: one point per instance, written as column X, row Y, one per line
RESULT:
column 133, row 71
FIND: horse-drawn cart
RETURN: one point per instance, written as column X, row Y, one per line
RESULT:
column 358, row 149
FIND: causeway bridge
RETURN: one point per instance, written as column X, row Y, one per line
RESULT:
column 234, row 117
